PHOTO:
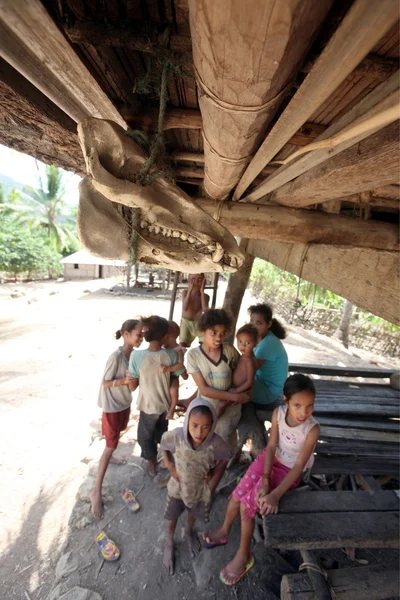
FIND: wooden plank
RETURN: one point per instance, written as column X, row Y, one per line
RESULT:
column 318, row 581
column 342, row 371
column 359, row 434
column 371, row 281
column 175, row 118
column 332, row 530
column 358, row 449
column 337, row 420
column 362, row 27
column 256, row 222
column 352, row 466
column 327, row 502
column 370, row 163
column 243, row 66
column 375, row 582
column 32, row 43
column 373, row 65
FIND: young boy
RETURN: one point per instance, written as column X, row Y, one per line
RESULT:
column 194, row 302
column 247, row 364
column 195, row 456
column 171, row 343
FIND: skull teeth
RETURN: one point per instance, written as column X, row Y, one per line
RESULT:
column 213, row 248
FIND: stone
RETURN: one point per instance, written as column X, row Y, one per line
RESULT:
column 66, row 565
column 88, row 484
column 58, row 591
column 78, row 593
column 81, row 516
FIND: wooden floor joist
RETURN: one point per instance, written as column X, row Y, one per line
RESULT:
column 362, row 27
column 302, row 226
column 31, row 42
column 371, row 278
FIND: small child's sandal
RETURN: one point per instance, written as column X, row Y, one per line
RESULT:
column 109, row 550
column 129, row 498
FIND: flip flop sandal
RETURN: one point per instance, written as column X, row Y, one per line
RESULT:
column 249, row 566
column 129, row 498
column 220, row 542
column 109, row 550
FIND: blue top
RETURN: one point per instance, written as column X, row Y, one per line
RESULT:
column 271, row 376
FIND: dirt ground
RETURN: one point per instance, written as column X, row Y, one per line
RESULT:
column 54, row 340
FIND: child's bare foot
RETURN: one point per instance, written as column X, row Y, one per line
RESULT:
column 193, row 542
column 168, row 561
column 234, row 569
column 215, row 537
column 114, row 460
column 97, row 504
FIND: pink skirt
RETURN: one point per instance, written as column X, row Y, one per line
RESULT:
column 246, row 490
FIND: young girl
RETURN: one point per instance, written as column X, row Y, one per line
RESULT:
column 211, row 365
column 115, row 399
column 195, row 455
column 277, row 469
column 154, row 400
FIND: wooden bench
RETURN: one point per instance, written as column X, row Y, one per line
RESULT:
column 320, row 520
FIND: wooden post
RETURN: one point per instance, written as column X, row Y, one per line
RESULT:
column 318, row 581
column 169, row 279
column 173, row 298
column 237, row 285
column 215, row 289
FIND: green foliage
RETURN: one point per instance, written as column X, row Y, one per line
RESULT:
column 42, row 210
column 23, row 252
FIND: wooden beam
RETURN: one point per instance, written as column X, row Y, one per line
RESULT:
column 373, row 65
column 389, row 191
column 384, row 96
column 190, row 172
column 31, row 42
column 303, row 226
column 175, row 118
column 364, row 25
column 243, row 70
column 32, row 124
column 237, row 284
column 369, row 164
column 181, row 156
column 129, row 37
column 368, row 278
column 386, row 204
column 306, row 134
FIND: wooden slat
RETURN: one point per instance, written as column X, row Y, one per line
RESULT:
column 327, row 502
column 332, row 530
column 32, row 43
column 364, row 24
column 358, row 449
column 342, row 371
column 329, row 417
column 375, row 582
column 359, row 434
column 352, row 466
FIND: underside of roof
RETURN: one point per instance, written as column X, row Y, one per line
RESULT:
column 281, row 120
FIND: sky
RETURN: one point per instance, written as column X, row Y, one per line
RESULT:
column 25, row 170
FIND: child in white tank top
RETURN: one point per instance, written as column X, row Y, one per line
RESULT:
column 289, row 452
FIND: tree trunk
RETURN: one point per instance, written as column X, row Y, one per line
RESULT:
column 342, row 332
column 128, row 275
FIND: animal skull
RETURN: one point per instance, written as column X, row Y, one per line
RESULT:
column 172, row 231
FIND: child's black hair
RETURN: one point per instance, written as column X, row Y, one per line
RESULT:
column 297, row 383
column 266, row 311
column 248, row 329
column 174, row 328
column 201, row 410
column 212, row 317
column 155, row 328
column 127, row 326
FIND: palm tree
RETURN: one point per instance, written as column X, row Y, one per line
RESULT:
column 43, row 207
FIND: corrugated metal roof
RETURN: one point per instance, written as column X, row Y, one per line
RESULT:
column 83, row 257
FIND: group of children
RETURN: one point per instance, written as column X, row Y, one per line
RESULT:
column 197, row 453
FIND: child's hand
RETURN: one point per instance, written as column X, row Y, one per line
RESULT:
column 169, row 415
column 269, row 504
column 209, row 476
column 128, row 374
column 163, row 369
column 242, row 397
column 263, row 490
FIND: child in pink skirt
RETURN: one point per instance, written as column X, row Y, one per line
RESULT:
column 294, row 433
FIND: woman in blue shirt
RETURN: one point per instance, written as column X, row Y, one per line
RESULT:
column 270, row 377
